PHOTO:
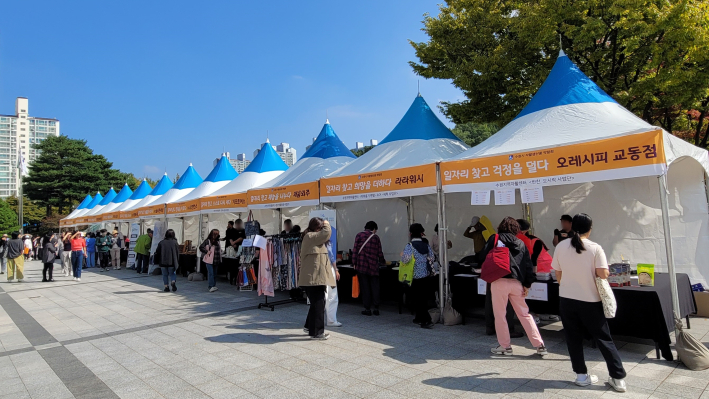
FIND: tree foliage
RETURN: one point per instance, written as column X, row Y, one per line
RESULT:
column 475, row 133
column 8, row 218
column 67, row 170
column 650, row 55
column 361, row 151
column 32, row 214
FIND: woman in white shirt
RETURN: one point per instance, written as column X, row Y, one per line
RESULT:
column 577, row 263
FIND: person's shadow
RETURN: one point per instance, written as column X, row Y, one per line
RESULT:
column 485, row 383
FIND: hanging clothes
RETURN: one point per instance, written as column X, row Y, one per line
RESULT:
column 265, row 280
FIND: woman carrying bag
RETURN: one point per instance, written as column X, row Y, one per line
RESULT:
column 167, row 256
column 424, row 268
column 578, row 262
column 212, row 257
column 316, row 274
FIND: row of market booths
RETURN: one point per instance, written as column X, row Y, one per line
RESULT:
column 572, row 149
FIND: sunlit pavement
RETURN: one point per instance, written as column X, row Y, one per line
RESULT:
column 117, row 335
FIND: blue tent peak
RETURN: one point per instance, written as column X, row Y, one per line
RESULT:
column 189, row 179
column 565, row 85
column 141, row 191
column 123, row 195
column 87, row 200
column 110, row 195
column 420, row 123
column 97, row 199
column 267, row 160
column 223, row 171
column 163, row 186
column 328, row 145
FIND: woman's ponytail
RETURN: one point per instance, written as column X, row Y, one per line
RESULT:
column 581, row 224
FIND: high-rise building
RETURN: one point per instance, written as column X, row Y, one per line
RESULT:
column 284, row 150
column 308, row 146
column 240, row 163
column 17, row 134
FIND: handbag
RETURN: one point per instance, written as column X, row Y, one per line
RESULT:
column 497, row 262
column 355, row 286
column 607, row 297
column 406, row 270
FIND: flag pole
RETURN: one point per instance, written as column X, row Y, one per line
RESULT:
column 19, row 206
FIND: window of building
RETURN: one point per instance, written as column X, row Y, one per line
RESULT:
column 22, row 129
column 22, row 123
column 22, row 116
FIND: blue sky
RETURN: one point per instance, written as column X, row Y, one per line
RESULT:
column 154, row 86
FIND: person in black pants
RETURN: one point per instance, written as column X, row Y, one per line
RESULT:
column 421, row 286
column 316, row 274
column 367, row 255
column 315, row 321
column 49, row 254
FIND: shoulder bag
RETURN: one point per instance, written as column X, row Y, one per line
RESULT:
column 607, row 297
column 497, row 262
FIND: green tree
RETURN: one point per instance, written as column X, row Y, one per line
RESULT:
column 361, row 151
column 650, row 55
column 65, row 171
column 31, row 213
column 8, row 218
column 474, row 133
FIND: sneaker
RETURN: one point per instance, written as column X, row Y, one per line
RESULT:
column 305, row 330
column 367, row 312
column 549, row 317
column 618, row 384
column 78, row 279
column 101, row 270
column 588, row 379
column 51, row 280
column 167, row 289
column 502, row 351
column 335, row 324
column 428, row 325
column 537, row 320
column 19, row 280
column 118, row 268
column 74, row 279
column 174, row 287
column 375, row 312
column 321, row 337
column 2, row 272
column 213, row 289
column 542, row 350
column 44, row 280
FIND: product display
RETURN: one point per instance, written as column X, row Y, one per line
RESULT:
column 646, row 274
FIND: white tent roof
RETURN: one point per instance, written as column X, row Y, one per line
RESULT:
column 266, row 166
column 326, row 154
column 119, row 199
column 187, row 182
column 163, row 186
column 83, row 205
column 142, row 191
column 110, row 195
column 420, row 138
column 570, row 108
column 219, row 177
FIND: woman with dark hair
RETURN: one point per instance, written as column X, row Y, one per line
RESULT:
column 513, row 288
column 423, row 269
column 49, row 253
column 367, row 255
column 91, row 250
column 579, row 261
column 212, row 257
column 167, row 256
column 3, row 253
column 316, row 274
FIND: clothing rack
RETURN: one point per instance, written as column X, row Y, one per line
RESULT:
column 284, row 261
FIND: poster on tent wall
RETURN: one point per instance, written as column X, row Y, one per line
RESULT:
column 159, row 230
column 416, row 180
column 305, row 194
column 224, row 203
column 331, row 216
column 133, row 237
column 624, row 157
column 180, row 209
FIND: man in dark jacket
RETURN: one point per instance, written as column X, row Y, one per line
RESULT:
column 103, row 246
column 519, row 266
column 15, row 258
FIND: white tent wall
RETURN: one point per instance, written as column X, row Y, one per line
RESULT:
column 267, row 218
column 390, row 215
column 191, row 229
column 627, row 217
column 459, row 212
column 219, row 221
column 299, row 216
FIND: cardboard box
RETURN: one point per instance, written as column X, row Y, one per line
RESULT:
column 702, row 300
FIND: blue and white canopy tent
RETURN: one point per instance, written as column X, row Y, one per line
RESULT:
column 639, row 213
column 185, row 185
column 420, row 138
column 82, row 205
column 266, row 166
column 94, row 202
column 142, row 191
column 121, row 197
column 110, row 195
column 163, row 186
column 327, row 154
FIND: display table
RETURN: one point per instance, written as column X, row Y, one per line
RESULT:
column 643, row 312
column 186, row 264
column 390, row 289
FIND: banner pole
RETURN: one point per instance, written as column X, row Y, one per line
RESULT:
column 668, row 246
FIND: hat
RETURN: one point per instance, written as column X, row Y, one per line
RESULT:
column 475, row 220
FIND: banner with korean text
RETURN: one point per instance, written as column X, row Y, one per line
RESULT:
column 615, row 158
column 416, row 180
column 129, row 215
column 304, row 194
column 224, row 203
column 108, row 217
column 180, row 209
column 151, row 212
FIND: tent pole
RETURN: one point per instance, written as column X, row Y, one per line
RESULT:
column 199, row 239
column 668, row 245
column 410, row 209
column 442, row 243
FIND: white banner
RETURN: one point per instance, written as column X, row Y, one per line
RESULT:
column 133, row 236
column 159, row 230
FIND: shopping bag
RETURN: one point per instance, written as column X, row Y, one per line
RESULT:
column 607, row 297
column 497, row 262
column 355, row 287
column 406, row 271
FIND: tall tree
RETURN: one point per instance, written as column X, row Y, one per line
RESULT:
column 31, row 213
column 474, row 133
column 8, row 218
column 650, row 55
column 67, row 170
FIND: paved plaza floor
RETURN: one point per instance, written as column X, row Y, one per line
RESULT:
column 117, row 335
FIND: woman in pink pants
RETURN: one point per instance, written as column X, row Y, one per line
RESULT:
column 513, row 288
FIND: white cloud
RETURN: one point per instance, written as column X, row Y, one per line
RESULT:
column 151, row 170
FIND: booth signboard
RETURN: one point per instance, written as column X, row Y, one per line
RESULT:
column 94, row 219
column 623, row 157
column 134, row 233
column 128, row 215
column 224, row 203
column 179, row 209
column 152, row 212
column 107, row 217
column 304, row 194
column 64, row 222
column 416, row 180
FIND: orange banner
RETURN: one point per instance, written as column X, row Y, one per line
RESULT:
column 129, row 215
column 417, row 180
column 229, row 201
column 283, row 197
column 577, row 163
column 180, row 208
column 107, row 217
column 152, row 211
column 94, row 219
